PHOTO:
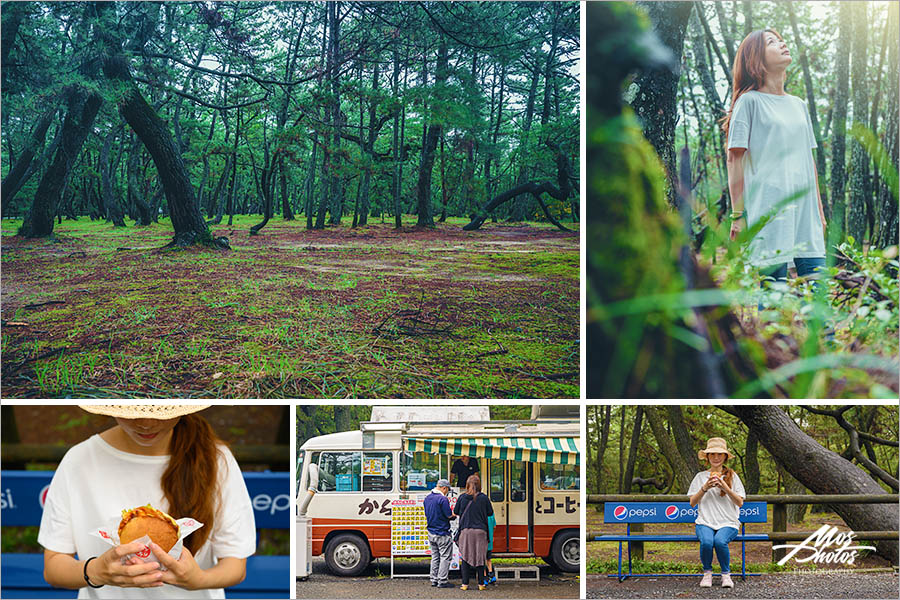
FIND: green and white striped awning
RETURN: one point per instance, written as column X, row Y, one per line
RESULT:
column 551, row 450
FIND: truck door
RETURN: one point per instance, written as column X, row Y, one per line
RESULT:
column 496, row 475
column 518, row 501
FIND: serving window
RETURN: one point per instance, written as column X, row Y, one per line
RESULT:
column 420, row 471
column 559, row 477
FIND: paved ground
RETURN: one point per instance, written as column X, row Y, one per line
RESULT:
column 786, row 585
column 376, row 583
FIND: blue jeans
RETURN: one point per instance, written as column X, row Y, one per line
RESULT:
column 711, row 538
column 805, row 268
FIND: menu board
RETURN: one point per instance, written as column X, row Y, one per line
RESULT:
column 409, row 529
column 409, row 533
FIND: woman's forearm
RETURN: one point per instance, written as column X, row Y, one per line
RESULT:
column 736, row 178
column 819, row 196
column 226, row 573
column 734, row 497
column 695, row 499
column 63, row 570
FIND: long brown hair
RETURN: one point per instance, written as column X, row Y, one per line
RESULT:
column 749, row 70
column 727, row 475
column 473, row 485
column 190, row 482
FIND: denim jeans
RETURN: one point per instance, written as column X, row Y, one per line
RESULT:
column 712, row 538
column 441, row 553
column 805, row 268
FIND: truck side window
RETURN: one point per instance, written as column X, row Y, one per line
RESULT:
column 377, row 472
column 420, row 471
column 559, row 477
column 339, row 471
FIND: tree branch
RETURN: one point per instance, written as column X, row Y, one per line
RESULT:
column 855, row 450
column 198, row 100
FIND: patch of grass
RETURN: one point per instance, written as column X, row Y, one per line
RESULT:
column 143, row 322
column 647, row 567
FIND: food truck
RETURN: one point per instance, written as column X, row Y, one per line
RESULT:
column 529, row 470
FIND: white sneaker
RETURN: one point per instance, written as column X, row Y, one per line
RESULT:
column 707, row 579
column 726, row 580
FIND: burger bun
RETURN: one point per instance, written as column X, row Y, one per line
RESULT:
column 160, row 531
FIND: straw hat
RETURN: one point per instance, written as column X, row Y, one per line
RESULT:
column 143, row 411
column 714, row 445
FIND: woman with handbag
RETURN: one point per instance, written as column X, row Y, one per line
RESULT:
column 473, row 508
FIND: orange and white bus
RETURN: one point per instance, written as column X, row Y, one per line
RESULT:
column 529, row 470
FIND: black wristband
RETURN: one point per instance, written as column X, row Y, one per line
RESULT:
column 86, row 579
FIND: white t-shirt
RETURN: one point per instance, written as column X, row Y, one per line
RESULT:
column 95, row 482
column 715, row 510
column 778, row 135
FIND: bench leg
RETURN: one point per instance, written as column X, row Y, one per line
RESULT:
column 743, row 558
column 629, row 559
column 620, row 563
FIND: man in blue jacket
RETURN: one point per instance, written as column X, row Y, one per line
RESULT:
column 437, row 516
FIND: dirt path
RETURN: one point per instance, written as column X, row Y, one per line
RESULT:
column 339, row 313
column 376, row 583
column 784, row 585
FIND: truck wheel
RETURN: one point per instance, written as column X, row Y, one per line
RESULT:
column 347, row 555
column 566, row 551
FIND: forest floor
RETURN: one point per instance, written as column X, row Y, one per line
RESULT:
column 368, row 312
column 684, row 556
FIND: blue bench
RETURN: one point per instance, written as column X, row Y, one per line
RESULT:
column 673, row 512
column 21, row 503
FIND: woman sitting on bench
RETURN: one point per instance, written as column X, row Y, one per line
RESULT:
column 718, row 514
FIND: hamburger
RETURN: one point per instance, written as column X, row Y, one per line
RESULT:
column 146, row 520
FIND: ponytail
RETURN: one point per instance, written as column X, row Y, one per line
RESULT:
column 190, row 482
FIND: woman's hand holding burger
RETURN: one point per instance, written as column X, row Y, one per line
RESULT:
column 107, row 569
column 184, row 572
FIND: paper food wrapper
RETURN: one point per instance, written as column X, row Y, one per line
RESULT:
column 110, row 534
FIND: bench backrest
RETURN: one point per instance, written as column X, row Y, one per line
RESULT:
column 22, row 495
column 671, row 512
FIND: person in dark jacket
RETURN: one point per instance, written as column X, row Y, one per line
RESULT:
column 437, row 518
column 473, row 509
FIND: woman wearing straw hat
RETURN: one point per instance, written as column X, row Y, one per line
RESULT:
column 718, row 511
column 167, row 456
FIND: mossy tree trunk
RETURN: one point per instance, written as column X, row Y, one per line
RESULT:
column 656, row 99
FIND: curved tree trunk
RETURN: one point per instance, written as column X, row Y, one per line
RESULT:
column 82, row 110
column 632, row 450
column 20, row 172
column 822, row 471
column 190, row 227
column 683, row 474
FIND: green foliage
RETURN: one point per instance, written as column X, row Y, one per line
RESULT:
column 611, row 565
column 704, row 422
